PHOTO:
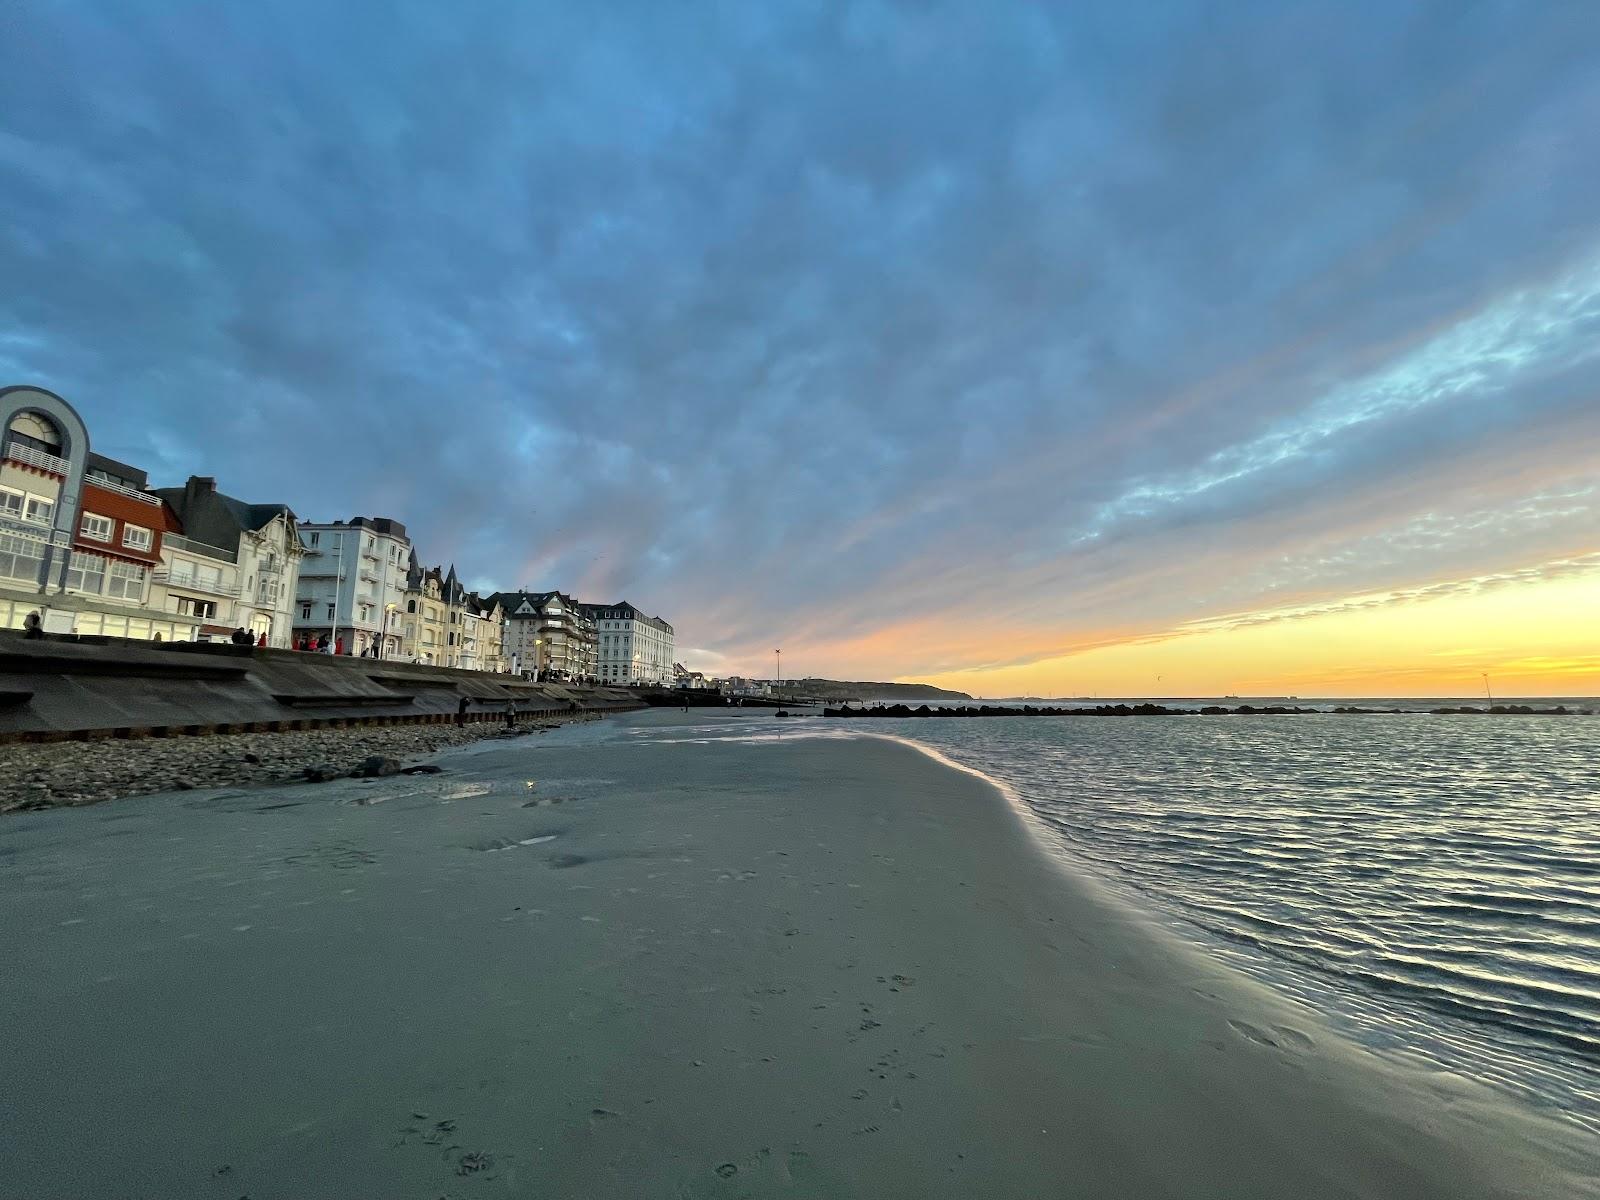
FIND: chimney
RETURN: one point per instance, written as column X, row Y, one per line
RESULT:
column 199, row 485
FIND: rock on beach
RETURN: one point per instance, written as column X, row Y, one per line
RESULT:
column 52, row 774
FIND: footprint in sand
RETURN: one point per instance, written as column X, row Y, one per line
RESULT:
column 760, row 1173
column 1279, row 1037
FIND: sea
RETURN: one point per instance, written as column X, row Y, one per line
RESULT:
column 1430, row 883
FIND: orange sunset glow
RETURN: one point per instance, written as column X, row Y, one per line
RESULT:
column 1535, row 639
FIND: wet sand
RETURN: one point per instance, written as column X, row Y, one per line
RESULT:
column 596, row 964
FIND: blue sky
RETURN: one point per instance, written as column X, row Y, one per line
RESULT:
column 1013, row 328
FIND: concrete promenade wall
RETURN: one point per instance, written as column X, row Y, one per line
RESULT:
column 53, row 689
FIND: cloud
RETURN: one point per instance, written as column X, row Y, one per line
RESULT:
column 906, row 337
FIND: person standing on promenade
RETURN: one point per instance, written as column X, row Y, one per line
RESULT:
column 32, row 626
column 338, row 644
column 511, row 714
column 261, row 642
column 461, row 711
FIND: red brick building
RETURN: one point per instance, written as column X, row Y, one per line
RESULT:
column 117, row 546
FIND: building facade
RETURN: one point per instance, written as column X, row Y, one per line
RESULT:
column 482, row 634
column 548, row 635
column 233, row 565
column 79, row 538
column 423, row 636
column 116, row 555
column 353, row 584
column 633, row 647
column 42, row 462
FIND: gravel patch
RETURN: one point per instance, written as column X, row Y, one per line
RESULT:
column 52, row 774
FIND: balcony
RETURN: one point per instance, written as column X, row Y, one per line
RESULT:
column 177, row 542
column 189, row 581
column 27, row 455
column 112, row 485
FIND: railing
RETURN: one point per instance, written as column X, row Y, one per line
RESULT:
column 179, row 542
column 21, row 521
column 112, row 485
column 191, row 581
column 17, row 452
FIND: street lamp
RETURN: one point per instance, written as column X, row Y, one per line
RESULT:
column 538, row 654
column 383, row 630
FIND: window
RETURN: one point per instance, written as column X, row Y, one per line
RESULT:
column 87, row 572
column 305, row 612
column 136, row 537
column 32, row 429
column 40, row 509
column 127, row 581
column 189, row 607
column 330, row 612
column 411, row 606
column 11, row 503
column 20, row 557
column 97, row 527
column 365, row 612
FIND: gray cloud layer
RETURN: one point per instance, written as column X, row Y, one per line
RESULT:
column 791, row 321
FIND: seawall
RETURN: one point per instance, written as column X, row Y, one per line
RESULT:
column 56, row 690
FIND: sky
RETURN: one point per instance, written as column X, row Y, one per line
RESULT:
column 1117, row 349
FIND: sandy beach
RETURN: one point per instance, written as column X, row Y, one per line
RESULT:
column 605, row 963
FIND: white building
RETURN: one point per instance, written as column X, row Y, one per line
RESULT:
column 235, row 565
column 353, row 583
column 633, row 647
column 548, row 634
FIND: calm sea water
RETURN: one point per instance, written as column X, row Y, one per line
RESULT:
column 1433, row 880
column 1430, row 882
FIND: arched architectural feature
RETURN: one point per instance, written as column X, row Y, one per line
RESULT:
column 37, row 430
column 44, row 448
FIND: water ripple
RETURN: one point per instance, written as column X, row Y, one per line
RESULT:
column 1437, row 874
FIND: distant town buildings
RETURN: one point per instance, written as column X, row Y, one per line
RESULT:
column 91, row 548
column 685, row 678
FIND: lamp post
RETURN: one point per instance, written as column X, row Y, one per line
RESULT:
column 383, row 629
column 779, row 653
column 538, row 654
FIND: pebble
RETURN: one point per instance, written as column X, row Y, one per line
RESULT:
column 51, row 774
